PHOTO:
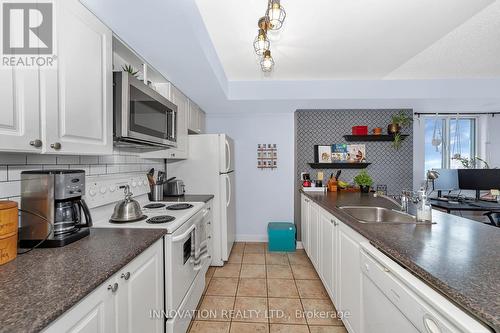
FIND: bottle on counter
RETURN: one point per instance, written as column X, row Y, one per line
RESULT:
column 424, row 208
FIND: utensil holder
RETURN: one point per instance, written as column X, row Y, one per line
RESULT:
column 156, row 193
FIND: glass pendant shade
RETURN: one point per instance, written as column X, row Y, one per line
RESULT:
column 276, row 14
column 261, row 43
column 267, row 62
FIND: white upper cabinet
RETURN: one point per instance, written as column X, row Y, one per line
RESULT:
column 196, row 120
column 76, row 101
column 182, row 102
column 19, row 110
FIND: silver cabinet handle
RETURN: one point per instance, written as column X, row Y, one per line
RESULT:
column 37, row 143
column 113, row 287
column 209, row 237
column 335, row 223
column 55, row 146
column 125, row 276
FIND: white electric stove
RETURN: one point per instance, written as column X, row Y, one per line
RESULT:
column 188, row 245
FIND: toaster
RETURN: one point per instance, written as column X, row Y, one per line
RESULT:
column 174, row 188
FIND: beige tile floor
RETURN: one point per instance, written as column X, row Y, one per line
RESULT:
column 261, row 292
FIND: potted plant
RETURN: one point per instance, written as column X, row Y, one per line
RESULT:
column 364, row 180
column 398, row 121
column 131, row 70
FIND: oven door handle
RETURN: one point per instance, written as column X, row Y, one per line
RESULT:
column 184, row 234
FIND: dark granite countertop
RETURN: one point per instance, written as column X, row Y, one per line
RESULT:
column 41, row 285
column 457, row 257
column 190, row 198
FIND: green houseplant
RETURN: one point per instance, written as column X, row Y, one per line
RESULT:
column 399, row 121
column 364, row 180
column 129, row 69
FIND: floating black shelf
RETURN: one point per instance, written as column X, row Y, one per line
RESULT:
column 339, row 165
column 385, row 137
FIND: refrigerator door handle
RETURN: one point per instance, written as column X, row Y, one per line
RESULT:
column 228, row 157
column 229, row 190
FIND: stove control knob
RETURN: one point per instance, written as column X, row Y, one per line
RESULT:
column 145, row 182
column 112, row 188
column 134, row 183
column 103, row 190
column 92, row 192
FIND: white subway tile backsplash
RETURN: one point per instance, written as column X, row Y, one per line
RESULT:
column 68, row 159
column 10, row 189
column 97, row 170
column 14, row 171
column 41, row 159
column 89, row 159
column 85, row 168
column 112, row 168
column 55, row 167
column 114, row 159
column 9, row 158
column 122, row 161
column 3, row 173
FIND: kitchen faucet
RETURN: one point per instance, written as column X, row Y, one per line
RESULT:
column 402, row 204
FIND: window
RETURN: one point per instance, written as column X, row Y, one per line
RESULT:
column 448, row 139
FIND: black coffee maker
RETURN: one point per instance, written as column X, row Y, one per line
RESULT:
column 52, row 208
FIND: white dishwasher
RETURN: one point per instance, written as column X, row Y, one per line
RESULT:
column 395, row 301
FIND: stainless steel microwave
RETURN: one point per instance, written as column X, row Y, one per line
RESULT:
column 142, row 116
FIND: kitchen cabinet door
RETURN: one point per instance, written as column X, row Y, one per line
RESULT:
column 202, row 121
column 76, row 95
column 94, row 314
column 349, row 299
column 304, row 222
column 182, row 102
column 196, row 121
column 141, row 291
column 314, row 238
column 328, row 254
column 19, row 110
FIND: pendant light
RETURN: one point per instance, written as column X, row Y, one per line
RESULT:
column 267, row 62
column 276, row 14
column 261, row 43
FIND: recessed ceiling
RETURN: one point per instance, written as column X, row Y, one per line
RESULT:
column 333, row 39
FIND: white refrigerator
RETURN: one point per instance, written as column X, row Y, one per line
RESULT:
column 209, row 169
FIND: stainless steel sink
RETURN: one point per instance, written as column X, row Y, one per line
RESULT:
column 368, row 214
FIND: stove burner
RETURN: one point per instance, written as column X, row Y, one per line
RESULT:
column 154, row 205
column 160, row 219
column 143, row 217
column 180, row 206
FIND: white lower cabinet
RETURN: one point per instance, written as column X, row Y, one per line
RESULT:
column 349, row 277
column 304, row 222
column 328, row 248
column 124, row 302
column 373, row 293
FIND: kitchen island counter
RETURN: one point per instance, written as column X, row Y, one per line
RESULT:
column 456, row 256
column 41, row 285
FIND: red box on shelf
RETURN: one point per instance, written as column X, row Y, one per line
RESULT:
column 360, row 130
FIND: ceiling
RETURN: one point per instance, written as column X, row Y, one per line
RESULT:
column 343, row 39
column 427, row 55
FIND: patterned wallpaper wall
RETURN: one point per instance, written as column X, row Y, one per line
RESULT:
column 390, row 167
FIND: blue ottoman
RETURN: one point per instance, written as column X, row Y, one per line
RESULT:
column 281, row 236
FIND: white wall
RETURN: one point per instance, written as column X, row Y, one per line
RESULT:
column 261, row 195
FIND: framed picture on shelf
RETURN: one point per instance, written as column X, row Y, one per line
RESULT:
column 323, row 154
